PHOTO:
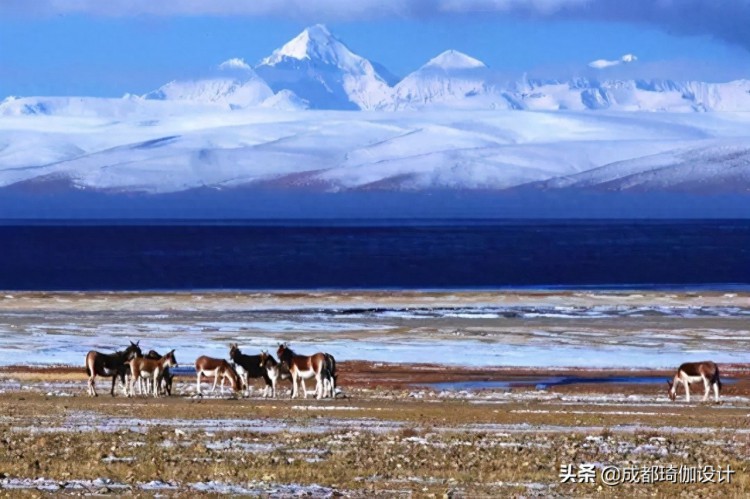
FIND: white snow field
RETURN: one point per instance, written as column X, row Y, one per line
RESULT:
column 167, row 146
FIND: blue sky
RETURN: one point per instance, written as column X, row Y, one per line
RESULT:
column 83, row 47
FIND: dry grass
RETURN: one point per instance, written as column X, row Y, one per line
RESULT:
column 433, row 449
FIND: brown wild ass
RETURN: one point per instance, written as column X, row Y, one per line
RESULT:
column 275, row 372
column 693, row 372
column 143, row 367
column 303, row 367
column 110, row 366
column 218, row 369
column 168, row 376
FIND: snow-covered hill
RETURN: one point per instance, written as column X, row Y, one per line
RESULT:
column 405, row 151
column 709, row 166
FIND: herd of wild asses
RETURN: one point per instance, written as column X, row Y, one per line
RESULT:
column 151, row 373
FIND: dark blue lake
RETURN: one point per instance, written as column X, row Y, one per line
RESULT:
column 374, row 254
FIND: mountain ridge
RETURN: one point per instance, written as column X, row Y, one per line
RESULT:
column 316, row 70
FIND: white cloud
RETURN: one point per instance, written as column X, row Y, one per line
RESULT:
column 724, row 19
column 234, row 63
column 604, row 63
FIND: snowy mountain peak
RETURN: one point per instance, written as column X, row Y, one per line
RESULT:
column 321, row 70
column 315, row 43
column 453, row 59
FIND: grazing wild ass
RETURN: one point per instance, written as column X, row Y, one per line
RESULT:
column 275, row 372
column 143, row 367
column 110, row 366
column 692, row 372
column 303, row 367
column 218, row 369
column 249, row 366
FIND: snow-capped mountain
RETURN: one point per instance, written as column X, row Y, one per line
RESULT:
column 316, row 70
column 451, row 79
column 223, row 91
column 631, row 95
column 293, row 122
column 320, row 69
column 238, row 86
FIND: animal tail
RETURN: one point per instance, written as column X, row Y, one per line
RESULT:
column 718, row 378
column 88, row 371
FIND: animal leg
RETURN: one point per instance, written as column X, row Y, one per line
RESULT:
column 198, row 384
column 92, row 387
column 687, row 390
column 245, row 386
column 319, row 386
column 124, row 380
column 706, row 388
column 114, row 380
column 156, row 382
column 716, row 391
column 222, row 384
column 216, row 380
column 267, row 380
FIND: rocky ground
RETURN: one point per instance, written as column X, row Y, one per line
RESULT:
column 387, row 434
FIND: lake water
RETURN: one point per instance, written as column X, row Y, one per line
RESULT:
column 340, row 254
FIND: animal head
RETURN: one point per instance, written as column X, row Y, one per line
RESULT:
column 171, row 360
column 671, row 391
column 285, row 355
column 234, row 378
column 283, row 349
column 133, row 351
column 153, row 354
column 234, row 350
column 263, row 357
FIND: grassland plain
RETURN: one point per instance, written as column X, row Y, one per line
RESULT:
column 396, row 440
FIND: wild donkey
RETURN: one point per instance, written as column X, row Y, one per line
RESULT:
column 143, row 367
column 692, row 372
column 218, row 368
column 330, row 376
column 168, row 376
column 248, row 366
column 275, row 372
column 110, row 366
column 304, row 367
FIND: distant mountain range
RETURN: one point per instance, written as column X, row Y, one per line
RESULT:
column 316, row 70
column 313, row 116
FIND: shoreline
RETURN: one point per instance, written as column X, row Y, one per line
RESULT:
column 403, row 376
column 518, row 330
